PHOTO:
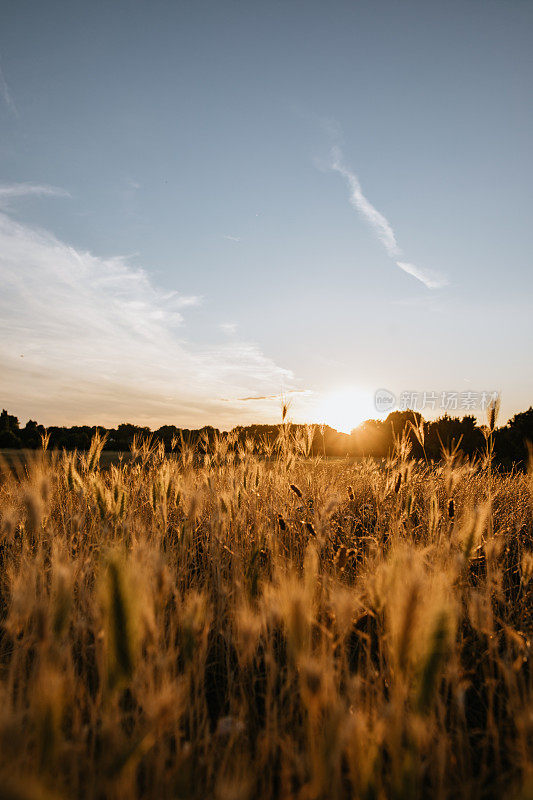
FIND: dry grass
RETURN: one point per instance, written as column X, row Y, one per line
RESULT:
column 257, row 628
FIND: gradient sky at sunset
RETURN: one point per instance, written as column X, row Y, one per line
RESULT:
column 206, row 204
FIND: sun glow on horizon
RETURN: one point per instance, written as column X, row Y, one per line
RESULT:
column 345, row 408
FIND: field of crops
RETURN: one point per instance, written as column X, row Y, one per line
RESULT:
column 265, row 625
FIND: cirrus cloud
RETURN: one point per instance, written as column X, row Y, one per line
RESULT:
column 91, row 339
column 381, row 226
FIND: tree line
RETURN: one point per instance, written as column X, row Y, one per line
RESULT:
column 426, row 438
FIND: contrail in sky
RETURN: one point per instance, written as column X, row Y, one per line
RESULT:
column 381, row 225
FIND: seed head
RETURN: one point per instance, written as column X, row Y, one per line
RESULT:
column 341, row 557
column 451, row 508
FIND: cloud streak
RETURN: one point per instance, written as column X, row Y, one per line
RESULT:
column 381, row 226
column 280, row 396
column 6, row 94
column 375, row 219
column 101, row 343
column 11, row 191
column 432, row 280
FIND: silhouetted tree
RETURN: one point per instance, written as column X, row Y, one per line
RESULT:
column 9, row 430
column 31, row 435
column 122, row 438
column 447, row 432
column 399, row 423
column 372, row 438
column 511, row 441
column 166, row 434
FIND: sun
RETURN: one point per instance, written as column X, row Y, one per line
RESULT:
column 344, row 408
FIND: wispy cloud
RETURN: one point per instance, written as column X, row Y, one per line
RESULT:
column 260, row 397
column 433, row 280
column 279, row 396
column 380, row 224
column 101, row 343
column 11, row 191
column 6, row 94
column 376, row 220
column 232, row 238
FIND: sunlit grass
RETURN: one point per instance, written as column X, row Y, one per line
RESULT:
column 232, row 626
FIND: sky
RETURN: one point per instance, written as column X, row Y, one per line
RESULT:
column 209, row 207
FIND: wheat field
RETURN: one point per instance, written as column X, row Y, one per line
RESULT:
column 260, row 623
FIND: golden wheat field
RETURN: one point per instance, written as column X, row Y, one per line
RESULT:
column 248, row 624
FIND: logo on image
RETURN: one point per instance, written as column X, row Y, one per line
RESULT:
column 384, row 400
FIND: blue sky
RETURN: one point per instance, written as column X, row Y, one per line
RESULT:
column 195, row 199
